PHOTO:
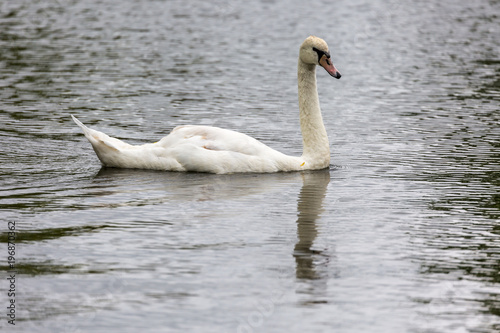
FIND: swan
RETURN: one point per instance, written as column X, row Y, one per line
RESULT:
column 221, row 151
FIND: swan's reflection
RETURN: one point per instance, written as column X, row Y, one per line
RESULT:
column 309, row 208
column 186, row 187
column 131, row 187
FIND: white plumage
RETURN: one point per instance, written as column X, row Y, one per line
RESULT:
column 217, row 150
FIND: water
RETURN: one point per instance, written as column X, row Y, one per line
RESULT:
column 400, row 235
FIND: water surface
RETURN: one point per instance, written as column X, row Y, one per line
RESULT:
column 401, row 234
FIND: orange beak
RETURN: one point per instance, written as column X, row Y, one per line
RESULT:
column 327, row 64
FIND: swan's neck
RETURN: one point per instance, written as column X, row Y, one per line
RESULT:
column 316, row 148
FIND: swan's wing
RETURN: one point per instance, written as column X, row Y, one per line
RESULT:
column 217, row 150
column 217, row 139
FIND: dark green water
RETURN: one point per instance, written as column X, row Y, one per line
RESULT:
column 402, row 234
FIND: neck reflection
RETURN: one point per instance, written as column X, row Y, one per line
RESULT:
column 310, row 207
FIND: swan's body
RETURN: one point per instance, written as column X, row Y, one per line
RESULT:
column 217, row 150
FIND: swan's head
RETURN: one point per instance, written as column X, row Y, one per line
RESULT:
column 314, row 51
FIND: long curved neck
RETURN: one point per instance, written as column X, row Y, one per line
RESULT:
column 316, row 148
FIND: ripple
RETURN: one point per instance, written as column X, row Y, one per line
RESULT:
column 400, row 234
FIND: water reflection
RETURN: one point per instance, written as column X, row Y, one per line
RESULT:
column 190, row 190
column 187, row 187
column 312, row 269
column 309, row 209
column 426, row 162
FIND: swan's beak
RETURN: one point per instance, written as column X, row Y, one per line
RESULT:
column 327, row 64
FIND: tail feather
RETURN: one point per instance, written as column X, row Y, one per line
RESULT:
column 100, row 141
column 89, row 133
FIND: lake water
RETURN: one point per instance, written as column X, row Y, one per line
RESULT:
column 401, row 234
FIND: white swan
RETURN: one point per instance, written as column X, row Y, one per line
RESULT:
column 217, row 150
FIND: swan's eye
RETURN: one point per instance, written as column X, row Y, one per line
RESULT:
column 322, row 53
